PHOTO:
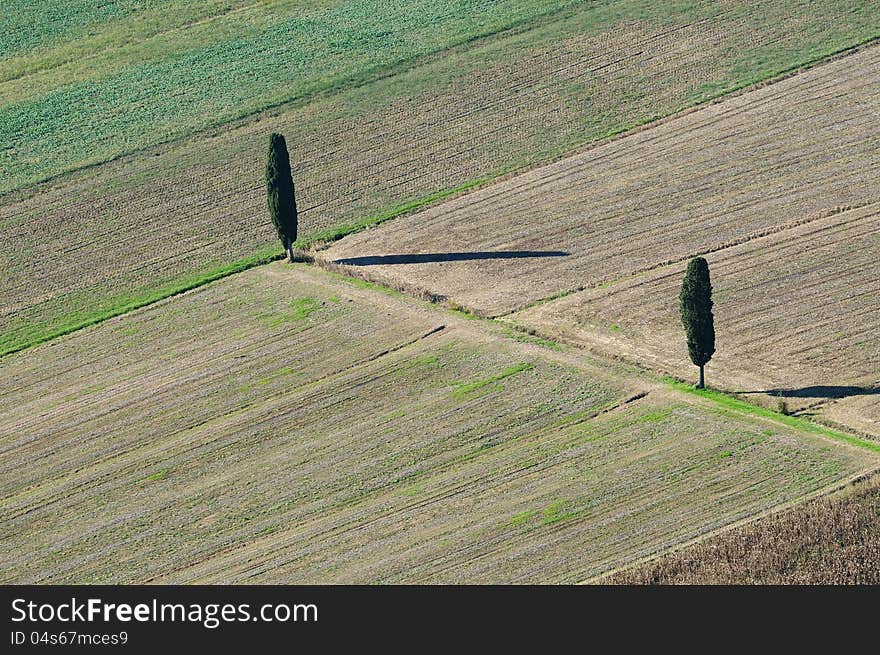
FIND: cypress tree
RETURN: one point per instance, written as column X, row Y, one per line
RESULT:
column 280, row 192
column 695, row 303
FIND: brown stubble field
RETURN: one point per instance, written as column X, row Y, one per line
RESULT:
column 109, row 235
column 797, row 317
column 830, row 540
column 751, row 165
column 286, row 425
column 778, row 186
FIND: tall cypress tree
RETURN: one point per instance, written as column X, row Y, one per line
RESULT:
column 280, row 192
column 695, row 303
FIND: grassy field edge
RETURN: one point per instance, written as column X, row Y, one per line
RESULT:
column 131, row 303
column 126, row 304
column 10, row 345
column 731, row 402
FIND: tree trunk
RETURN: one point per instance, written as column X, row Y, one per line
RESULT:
column 290, row 254
column 702, row 384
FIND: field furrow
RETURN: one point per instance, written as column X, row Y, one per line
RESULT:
column 710, row 179
column 797, row 317
column 103, row 239
column 288, row 425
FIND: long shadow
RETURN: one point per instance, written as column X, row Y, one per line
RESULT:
column 431, row 257
column 820, row 391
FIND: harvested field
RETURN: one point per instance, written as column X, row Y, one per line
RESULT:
column 859, row 410
column 754, row 164
column 797, row 317
column 830, row 540
column 121, row 234
column 285, row 425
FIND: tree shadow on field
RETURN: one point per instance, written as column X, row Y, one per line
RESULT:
column 820, row 391
column 433, row 257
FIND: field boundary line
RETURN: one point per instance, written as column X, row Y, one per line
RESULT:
column 773, row 230
column 323, row 238
column 823, row 492
column 263, row 256
column 734, row 403
column 339, row 232
column 329, row 89
column 837, row 432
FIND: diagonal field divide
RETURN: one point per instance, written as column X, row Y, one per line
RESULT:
column 102, row 241
column 796, row 317
column 290, row 425
column 255, row 476
column 778, row 187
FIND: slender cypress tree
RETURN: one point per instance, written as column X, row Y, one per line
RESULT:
column 280, row 192
column 695, row 303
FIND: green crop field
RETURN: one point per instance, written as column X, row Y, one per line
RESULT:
column 147, row 73
column 289, row 425
column 176, row 406
column 133, row 230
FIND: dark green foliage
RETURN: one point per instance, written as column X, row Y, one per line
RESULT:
column 280, row 192
column 695, row 303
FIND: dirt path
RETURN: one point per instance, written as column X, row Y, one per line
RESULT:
column 777, row 187
column 287, row 425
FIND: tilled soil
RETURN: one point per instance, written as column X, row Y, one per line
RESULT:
column 287, row 425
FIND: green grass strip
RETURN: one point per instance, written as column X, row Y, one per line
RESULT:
column 127, row 304
column 463, row 389
column 731, row 402
column 15, row 343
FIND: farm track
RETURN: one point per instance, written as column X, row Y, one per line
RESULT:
column 791, row 237
column 286, row 425
column 143, row 222
column 796, row 317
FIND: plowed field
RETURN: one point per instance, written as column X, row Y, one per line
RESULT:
column 769, row 160
column 797, row 317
